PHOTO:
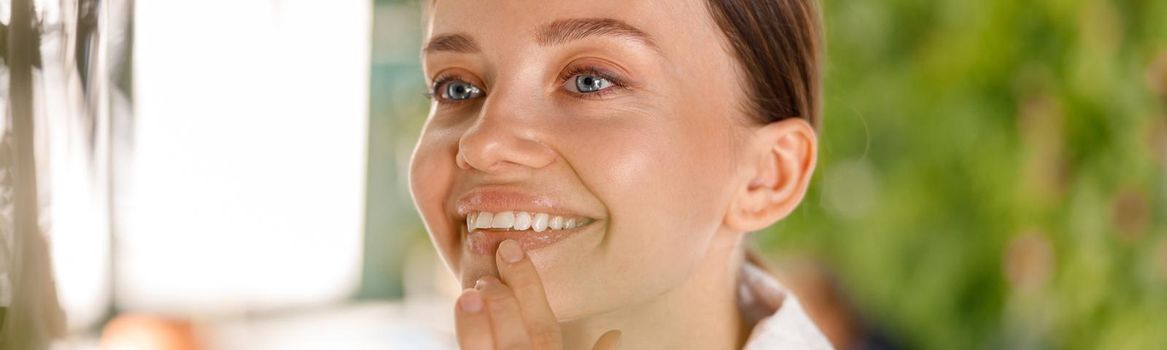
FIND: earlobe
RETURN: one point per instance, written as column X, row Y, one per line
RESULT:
column 782, row 159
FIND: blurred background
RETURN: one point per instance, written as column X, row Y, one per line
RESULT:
column 232, row 174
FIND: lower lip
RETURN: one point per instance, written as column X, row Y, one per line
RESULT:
column 484, row 242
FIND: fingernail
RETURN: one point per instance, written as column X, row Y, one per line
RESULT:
column 510, row 251
column 482, row 282
column 471, row 301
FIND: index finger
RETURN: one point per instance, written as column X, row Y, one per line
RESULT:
column 517, row 271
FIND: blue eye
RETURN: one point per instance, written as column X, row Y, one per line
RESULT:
column 458, row 90
column 588, row 83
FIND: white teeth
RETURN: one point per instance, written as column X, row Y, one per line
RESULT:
column 504, row 219
column 540, row 222
column 482, row 220
column 522, row 221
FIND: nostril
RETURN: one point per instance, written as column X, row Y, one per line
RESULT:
column 483, row 157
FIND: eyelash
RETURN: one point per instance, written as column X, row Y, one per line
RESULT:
column 434, row 92
column 617, row 83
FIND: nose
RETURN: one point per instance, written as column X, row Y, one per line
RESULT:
column 505, row 136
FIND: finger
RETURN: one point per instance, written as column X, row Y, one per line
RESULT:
column 472, row 322
column 505, row 318
column 608, row 341
column 519, row 274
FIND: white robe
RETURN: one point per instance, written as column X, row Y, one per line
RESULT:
column 781, row 321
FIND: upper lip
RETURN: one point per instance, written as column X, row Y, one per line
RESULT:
column 499, row 200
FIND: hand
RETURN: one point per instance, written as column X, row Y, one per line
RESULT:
column 512, row 313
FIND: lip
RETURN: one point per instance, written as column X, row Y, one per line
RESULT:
column 485, row 241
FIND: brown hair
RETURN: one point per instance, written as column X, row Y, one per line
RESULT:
column 778, row 47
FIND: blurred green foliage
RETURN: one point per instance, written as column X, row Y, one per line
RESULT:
column 993, row 172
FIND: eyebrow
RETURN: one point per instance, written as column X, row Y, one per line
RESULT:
column 567, row 30
column 555, row 33
column 457, row 43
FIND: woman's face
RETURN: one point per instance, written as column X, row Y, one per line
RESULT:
column 620, row 117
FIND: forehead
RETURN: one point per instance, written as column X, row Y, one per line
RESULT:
column 503, row 23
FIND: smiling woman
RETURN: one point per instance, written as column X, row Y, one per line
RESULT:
column 592, row 169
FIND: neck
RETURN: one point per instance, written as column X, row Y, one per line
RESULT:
column 703, row 309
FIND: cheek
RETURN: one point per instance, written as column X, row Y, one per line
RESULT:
column 431, row 172
column 671, row 173
column 662, row 178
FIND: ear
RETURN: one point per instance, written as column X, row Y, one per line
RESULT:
column 780, row 160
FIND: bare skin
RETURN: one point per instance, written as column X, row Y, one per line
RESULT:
column 626, row 114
